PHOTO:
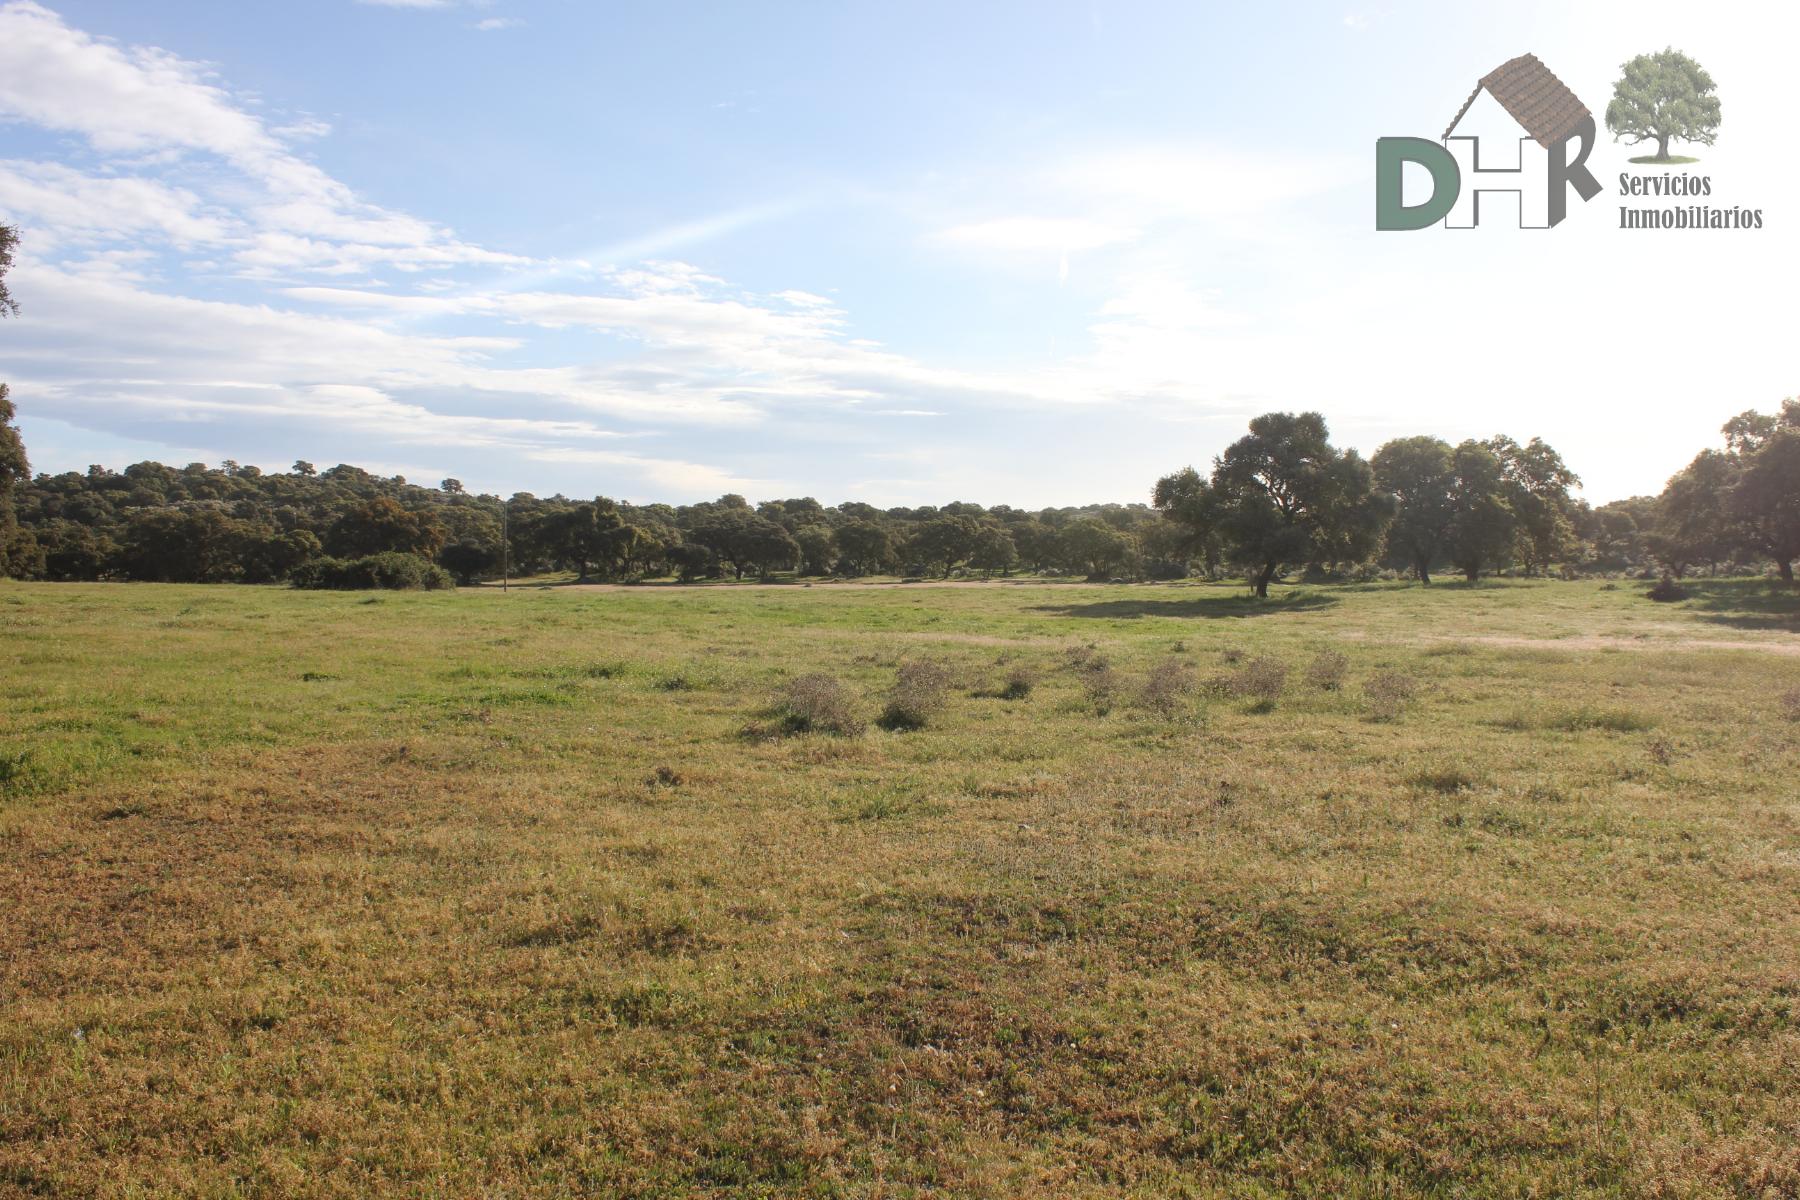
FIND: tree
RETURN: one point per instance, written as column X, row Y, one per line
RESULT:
column 817, row 546
column 1764, row 498
column 1747, row 496
column 468, row 559
column 1093, row 547
column 944, row 542
column 743, row 540
column 1482, row 526
column 19, row 552
column 581, row 536
column 1283, row 496
column 1537, row 490
column 1189, row 507
column 993, row 551
column 1662, row 97
column 864, row 548
column 9, row 241
column 382, row 524
column 17, row 547
column 1693, row 521
column 1419, row 473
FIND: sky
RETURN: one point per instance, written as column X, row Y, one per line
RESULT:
column 1028, row 253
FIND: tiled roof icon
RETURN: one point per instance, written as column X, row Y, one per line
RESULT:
column 1533, row 96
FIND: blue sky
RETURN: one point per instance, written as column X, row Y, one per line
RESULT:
column 1023, row 253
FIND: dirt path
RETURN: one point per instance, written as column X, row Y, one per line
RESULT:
column 845, row 585
column 1598, row 642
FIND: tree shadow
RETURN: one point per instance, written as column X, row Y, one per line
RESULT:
column 1211, row 607
column 1743, row 603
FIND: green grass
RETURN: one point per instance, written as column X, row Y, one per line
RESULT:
column 528, row 894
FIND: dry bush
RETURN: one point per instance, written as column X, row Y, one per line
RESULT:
column 1261, row 681
column 920, row 691
column 1388, row 693
column 1167, row 687
column 1018, row 685
column 1327, row 671
column 1103, row 684
column 1084, row 658
column 818, row 704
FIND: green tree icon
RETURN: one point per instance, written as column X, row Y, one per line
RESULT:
column 1663, row 97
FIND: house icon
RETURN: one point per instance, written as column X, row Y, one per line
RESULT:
column 1520, row 94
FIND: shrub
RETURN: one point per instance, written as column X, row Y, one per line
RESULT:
column 818, row 704
column 1084, row 658
column 920, row 690
column 1388, row 694
column 1018, row 685
column 1667, row 590
column 1327, row 671
column 391, row 570
column 1102, row 683
column 1167, row 687
column 1261, row 680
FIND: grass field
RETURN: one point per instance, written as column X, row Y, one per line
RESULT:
column 483, row 895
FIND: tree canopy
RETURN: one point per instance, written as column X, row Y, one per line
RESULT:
column 1282, row 496
column 1663, row 97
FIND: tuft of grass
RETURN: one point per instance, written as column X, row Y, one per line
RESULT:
column 1168, row 688
column 921, row 690
column 1261, row 681
column 1790, row 704
column 1018, row 684
column 1102, row 683
column 1445, row 779
column 1612, row 720
column 1388, row 694
column 818, row 703
column 1326, row 671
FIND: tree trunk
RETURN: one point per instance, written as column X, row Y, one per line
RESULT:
column 1424, row 568
column 1263, row 578
column 1786, row 567
column 1472, row 573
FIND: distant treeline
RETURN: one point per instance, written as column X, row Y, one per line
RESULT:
column 1280, row 501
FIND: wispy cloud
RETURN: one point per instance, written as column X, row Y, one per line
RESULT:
column 148, row 111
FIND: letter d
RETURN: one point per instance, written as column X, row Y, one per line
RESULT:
column 1391, row 155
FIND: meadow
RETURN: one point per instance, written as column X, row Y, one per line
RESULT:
column 1360, row 891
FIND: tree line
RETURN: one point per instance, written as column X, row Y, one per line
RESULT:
column 1282, row 499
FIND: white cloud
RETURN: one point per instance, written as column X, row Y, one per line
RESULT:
column 65, row 203
column 148, row 108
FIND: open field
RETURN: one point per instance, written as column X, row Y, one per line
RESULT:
column 503, row 895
